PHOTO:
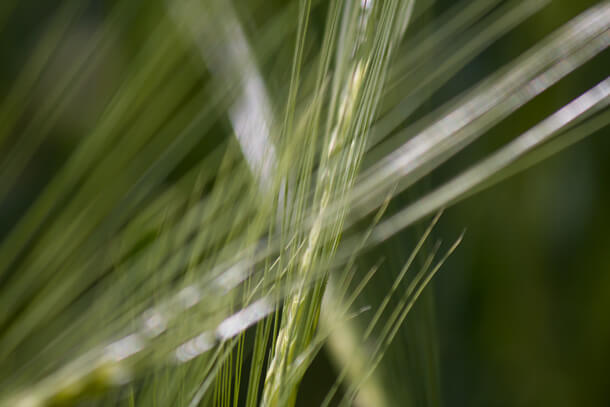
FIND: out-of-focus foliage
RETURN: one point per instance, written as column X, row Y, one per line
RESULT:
column 182, row 181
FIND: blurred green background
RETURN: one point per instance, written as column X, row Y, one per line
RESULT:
column 520, row 314
column 523, row 306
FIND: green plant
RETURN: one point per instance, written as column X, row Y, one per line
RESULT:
column 230, row 176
